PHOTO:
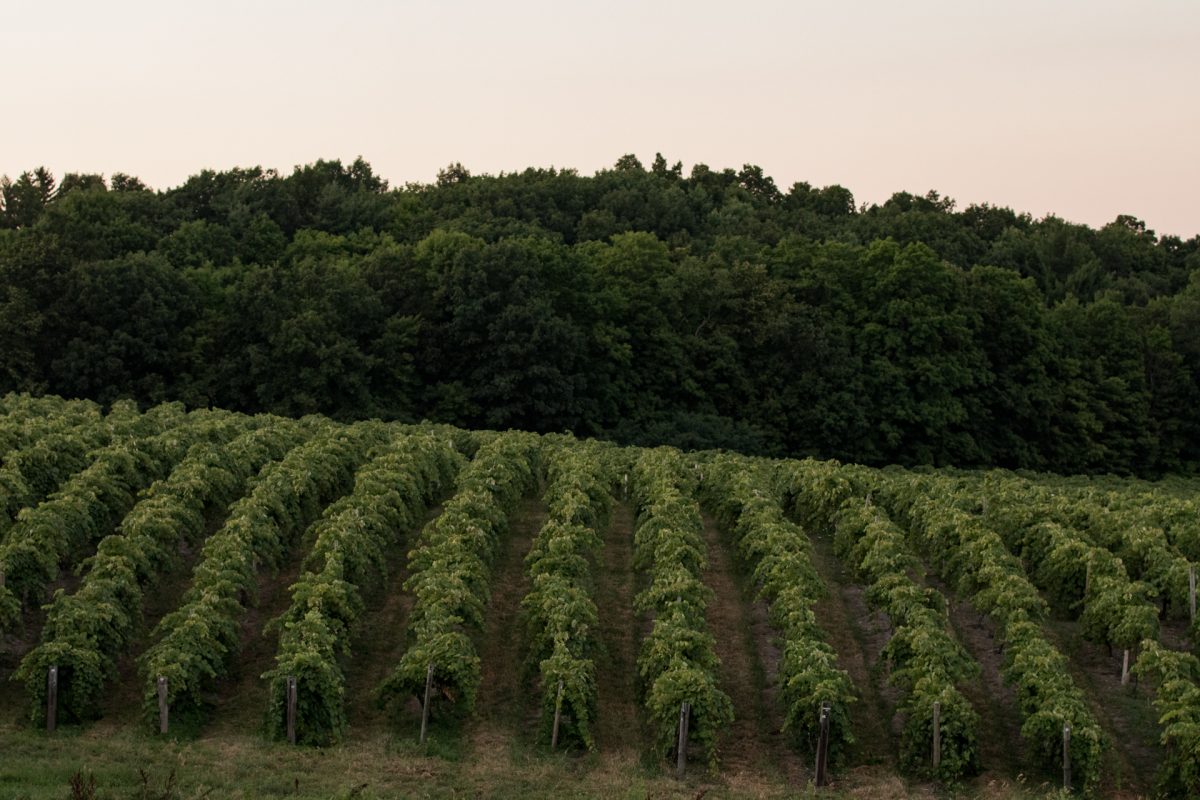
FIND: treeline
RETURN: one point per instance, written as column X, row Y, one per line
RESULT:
column 711, row 309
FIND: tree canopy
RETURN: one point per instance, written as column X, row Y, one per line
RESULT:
column 706, row 309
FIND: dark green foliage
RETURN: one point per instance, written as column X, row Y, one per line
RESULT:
column 779, row 555
column 706, row 309
column 347, row 556
column 560, row 614
column 90, row 504
column 196, row 642
column 450, row 573
column 85, row 631
column 677, row 661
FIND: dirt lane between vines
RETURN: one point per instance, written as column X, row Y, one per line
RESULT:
column 618, row 726
column 241, row 697
column 753, row 747
column 504, row 711
column 122, row 704
column 858, row 636
column 379, row 640
column 1000, row 745
column 1124, row 712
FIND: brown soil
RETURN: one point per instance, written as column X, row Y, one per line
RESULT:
column 858, row 636
column 504, row 711
column 618, row 726
column 1124, row 712
column 379, row 641
column 1000, row 743
column 1174, row 634
column 241, row 698
column 753, row 745
column 123, row 703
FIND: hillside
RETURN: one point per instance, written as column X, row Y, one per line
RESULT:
column 201, row 560
column 643, row 304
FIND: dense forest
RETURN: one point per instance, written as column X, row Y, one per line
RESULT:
column 707, row 309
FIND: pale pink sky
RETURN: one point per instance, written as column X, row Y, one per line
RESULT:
column 1084, row 108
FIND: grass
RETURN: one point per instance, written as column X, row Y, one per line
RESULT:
column 136, row 765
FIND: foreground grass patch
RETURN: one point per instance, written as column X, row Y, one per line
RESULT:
column 127, row 764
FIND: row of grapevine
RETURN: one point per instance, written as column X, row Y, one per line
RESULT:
column 24, row 419
column 450, row 573
column 27, row 405
column 1015, row 506
column 778, row 553
column 677, row 662
column 196, row 642
column 89, row 505
column 1116, row 610
column 1178, row 517
column 1080, row 576
column 350, row 540
column 975, row 559
column 20, row 406
column 1149, row 554
column 62, row 446
column 1176, row 513
column 86, row 631
column 560, row 613
column 926, row 661
column 1177, row 701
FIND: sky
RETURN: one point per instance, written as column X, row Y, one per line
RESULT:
column 1082, row 108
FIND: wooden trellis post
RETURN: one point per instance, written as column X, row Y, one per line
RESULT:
column 1191, row 590
column 51, row 698
column 557, row 717
column 823, row 747
column 291, row 709
column 685, row 709
column 1067, row 757
column 937, row 734
column 162, row 705
column 425, row 705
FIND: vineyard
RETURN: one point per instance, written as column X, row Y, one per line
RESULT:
column 202, row 603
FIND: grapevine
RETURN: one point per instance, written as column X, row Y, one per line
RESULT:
column 390, row 494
